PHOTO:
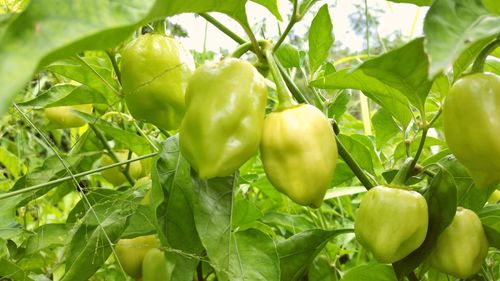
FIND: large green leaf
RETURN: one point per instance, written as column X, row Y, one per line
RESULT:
column 393, row 80
column 235, row 255
column 173, row 205
column 92, row 243
column 451, row 26
column 49, row 30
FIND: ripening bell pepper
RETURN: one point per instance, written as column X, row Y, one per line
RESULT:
column 391, row 222
column 155, row 70
column 471, row 120
column 222, row 127
column 299, row 153
column 462, row 247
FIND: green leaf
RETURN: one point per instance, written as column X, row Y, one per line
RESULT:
column 9, row 226
column 289, row 56
column 12, row 271
column 469, row 196
column 41, row 34
column 370, row 272
column 492, row 6
column 233, row 255
column 451, row 26
column 298, row 252
column 172, row 201
column 416, row 2
column 385, row 127
column 136, row 143
column 320, row 38
column 272, row 6
column 442, row 204
column 392, row 80
column 467, row 57
column 92, row 243
column 344, row 191
column 65, row 94
column 48, row 235
column 11, row 162
column 490, row 218
column 359, row 152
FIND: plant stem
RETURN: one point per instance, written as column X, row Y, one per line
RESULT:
column 478, row 65
column 355, row 168
column 113, row 155
column 160, row 27
column 284, row 95
column 82, row 174
column 297, row 94
column 254, row 41
column 112, row 58
column 425, row 129
column 291, row 23
column 223, row 28
column 412, row 276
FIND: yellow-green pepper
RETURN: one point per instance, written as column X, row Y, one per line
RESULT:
column 462, row 247
column 155, row 70
column 471, row 120
column 391, row 222
column 222, row 127
column 299, row 153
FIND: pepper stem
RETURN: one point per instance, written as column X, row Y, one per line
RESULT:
column 160, row 27
column 478, row 65
column 284, row 94
column 401, row 176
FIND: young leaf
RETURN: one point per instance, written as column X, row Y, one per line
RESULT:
column 392, row 80
column 320, row 38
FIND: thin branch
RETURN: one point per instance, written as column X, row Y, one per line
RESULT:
column 223, row 28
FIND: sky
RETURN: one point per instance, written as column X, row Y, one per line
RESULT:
column 395, row 17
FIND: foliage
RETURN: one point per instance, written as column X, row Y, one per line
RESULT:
column 60, row 219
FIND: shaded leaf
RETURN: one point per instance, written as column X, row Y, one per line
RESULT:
column 298, row 252
column 451, row 26
column 172, row 197
column 233, row 255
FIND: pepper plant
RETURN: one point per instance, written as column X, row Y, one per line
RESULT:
column 125, row 155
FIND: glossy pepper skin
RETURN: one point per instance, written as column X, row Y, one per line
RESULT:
column 155, row 70
column 222, row 127
column 299, row 153
column 462, row 247
column 391, row 223
column 154, row 266
column 471, row 116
